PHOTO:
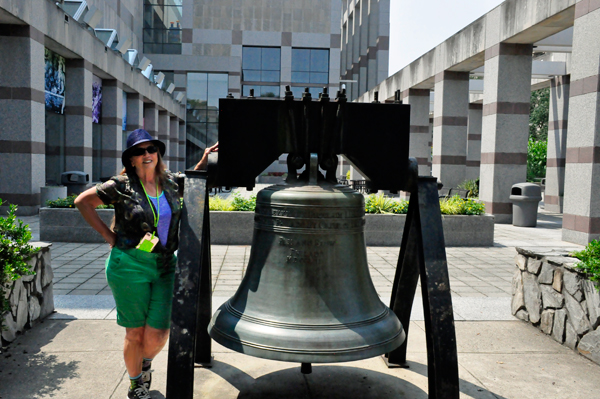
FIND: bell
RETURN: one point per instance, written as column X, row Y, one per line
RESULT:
column 307, row 295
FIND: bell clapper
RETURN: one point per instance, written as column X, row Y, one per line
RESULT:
column 306, row 368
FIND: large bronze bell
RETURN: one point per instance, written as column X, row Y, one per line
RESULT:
column 307, row 295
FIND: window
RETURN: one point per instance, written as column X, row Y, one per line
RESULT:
column 162, row 27
column 203, row 91
column 261, row 71
column 310, row 68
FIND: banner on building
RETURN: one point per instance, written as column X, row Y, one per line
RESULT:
column 124, row 110
column 54, row 82
column 96, row 99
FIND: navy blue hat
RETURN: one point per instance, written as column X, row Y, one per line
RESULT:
column 136, row 137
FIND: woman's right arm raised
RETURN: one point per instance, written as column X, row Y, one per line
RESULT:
column 87, row 202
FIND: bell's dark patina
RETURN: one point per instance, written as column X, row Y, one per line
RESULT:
column 307, row 295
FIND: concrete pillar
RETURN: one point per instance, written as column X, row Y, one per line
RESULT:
column 151, row 119
column 112, row 128
column 22, row 127
column 418, row 99
column 451, row 107
column 135, row 111
column 182, row 154
column 581, row 211
column 173, row 145
column 164, row 128
column 557, row 144
column 505, row 125
column 78, row 116
column 474, row 141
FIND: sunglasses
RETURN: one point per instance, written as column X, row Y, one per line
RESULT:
column 151, row 149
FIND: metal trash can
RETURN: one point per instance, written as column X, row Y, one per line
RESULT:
column 75, row 181
column 525, row 198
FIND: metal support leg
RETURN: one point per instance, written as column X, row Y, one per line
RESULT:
column 423, row 252
column 191, row 262
column 204, row 310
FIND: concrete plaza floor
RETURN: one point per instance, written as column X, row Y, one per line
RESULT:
column 76, row 353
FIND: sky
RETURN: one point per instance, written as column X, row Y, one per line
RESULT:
column 417, row 26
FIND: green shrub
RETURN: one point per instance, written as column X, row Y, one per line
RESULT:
column 220, row 204
column 69, row 202
column 589, row 261
column 240, row 203
column 537, row 152
column 472, row 186
column 458, row 206
column 14, row 252
column 383, row 204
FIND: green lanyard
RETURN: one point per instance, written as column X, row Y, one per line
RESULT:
column 157, row 213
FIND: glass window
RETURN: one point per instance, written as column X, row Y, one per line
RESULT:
column 310, row 67
column 261, row 91
column 251, row 58
column 203, row 91
column 261, row 64
column 162, row 26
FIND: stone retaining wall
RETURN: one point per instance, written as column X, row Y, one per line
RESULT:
column 236, row 228
column 552, row 295
column 30, row 297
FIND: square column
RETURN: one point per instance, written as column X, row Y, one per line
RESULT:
column 173, row 144
column 451, row 107
column 112, row 128
column 151, row 119
column 418, row 99
column 474, row 141
column 22, row 123
column 557, row 144
column 164, row 127
column 505, row 125
column 581, row 212
column 182, row 132
column 135, row 112
column 78, row 116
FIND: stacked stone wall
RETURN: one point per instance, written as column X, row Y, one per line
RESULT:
column 30, row 297
column 550, row 293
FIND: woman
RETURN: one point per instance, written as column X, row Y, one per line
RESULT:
column 140, row 268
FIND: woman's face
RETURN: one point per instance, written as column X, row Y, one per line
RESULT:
column 146, row 161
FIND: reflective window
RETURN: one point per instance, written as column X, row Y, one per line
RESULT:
column 261, row 91
column 310, row 67
column 261, row 65
column 203, row 91
column 162, row 26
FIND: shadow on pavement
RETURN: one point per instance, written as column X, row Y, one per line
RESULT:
column 331, row 382
column 25, row 368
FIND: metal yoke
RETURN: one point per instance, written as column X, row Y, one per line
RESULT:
column 374, row 138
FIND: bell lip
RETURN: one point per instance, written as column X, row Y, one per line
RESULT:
column 255, row 344
column 337, row 355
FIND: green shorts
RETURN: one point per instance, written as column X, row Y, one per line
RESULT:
column 142, row 284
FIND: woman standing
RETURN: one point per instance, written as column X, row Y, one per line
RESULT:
column 140, row 268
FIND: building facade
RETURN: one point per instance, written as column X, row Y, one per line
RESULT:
column 68, row 96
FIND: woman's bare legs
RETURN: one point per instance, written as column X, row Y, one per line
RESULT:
column 142, row 342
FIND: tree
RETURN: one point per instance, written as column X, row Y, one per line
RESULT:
column 538, row 114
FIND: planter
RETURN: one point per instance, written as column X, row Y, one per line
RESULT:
column 30, row 297
column 67, row 225
column 459, row 230
column 51, row 193
column 236, row 228
column 549, row 293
